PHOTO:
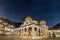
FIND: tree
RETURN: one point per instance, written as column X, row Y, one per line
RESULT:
column 53, row 35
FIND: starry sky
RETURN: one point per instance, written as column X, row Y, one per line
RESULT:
column 17, row 10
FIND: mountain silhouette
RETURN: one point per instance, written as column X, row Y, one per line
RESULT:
column 56, row 27
column 16, row 25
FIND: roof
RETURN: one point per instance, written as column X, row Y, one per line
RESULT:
column 56, row 27
column 33, row 25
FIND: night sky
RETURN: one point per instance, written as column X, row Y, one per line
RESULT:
column 17, row 10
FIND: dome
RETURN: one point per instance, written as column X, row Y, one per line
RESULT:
column 28, row 18
column 42, row 22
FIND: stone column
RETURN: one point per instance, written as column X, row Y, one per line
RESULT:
column 21, row 32
column 37, row 32
column 41, row 31
column 33, row 34
column 27, row 31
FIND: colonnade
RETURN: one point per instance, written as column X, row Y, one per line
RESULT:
column 30, row 31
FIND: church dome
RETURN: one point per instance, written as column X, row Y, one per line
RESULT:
column 42, row 22
column 28, row 18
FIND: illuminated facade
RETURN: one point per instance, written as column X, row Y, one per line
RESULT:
column 5, row 28
column 33, row 29
column 56, row 33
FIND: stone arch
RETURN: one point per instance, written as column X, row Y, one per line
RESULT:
column 30, row 31
column 25, row 29
column 20, row 32
column 39, row 32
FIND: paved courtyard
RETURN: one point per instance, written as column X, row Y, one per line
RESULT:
column 17, row 38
